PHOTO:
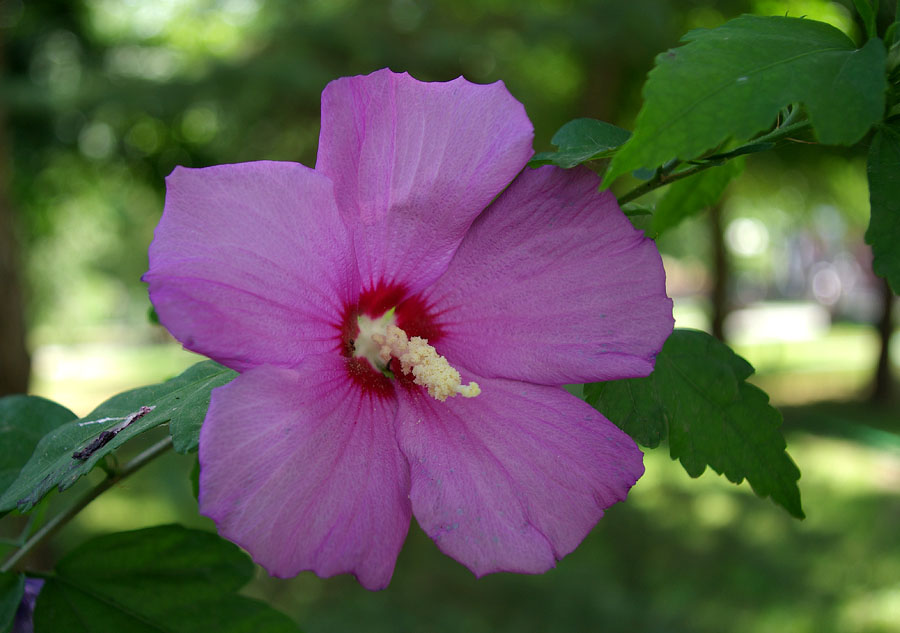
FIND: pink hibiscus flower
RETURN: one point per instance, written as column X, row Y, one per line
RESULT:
column 402, row 318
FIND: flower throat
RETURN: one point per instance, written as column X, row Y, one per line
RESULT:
column 380, row 340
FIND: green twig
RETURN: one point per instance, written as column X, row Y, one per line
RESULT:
column 661, row 180
column 54, row 524
column 664, row 177
column 23, row 535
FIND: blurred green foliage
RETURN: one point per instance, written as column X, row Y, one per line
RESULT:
column 105, row 97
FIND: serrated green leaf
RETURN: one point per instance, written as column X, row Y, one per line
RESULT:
column 181, row 401
column 732, row 81
column 633, row 406
column 24, row 420
column 693, row 194
column 12, row 588
column 162, row 579
column 190, row 410
column 698, row 399
column 581, row 140
column 884, row 197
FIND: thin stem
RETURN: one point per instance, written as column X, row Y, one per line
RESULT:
column 23, row 535
column 663, row 177
column 54, row 524
column 662, row 180
column 35, row 518
column 782, row 132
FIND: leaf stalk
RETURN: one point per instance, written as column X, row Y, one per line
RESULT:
column 666, row 175
column 113, row 477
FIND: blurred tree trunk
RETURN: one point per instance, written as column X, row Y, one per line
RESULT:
column 15, row 364
column 720, row 273
column 882, row 391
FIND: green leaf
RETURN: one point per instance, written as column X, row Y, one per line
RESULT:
column 641, row 218
column 24, row 420
column 884, row 197
column 693, row 194
column 890, row 35
column 73, row 449
column 192, row 404
column 195, row 478
column 731, row 82
column 868, row 13
column 12, row 588
column 168, row 579
column 895, row 38
column 698, row 399
column 893, row 56
column 581, row 140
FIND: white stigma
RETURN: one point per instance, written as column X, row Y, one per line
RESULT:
column 379, row 340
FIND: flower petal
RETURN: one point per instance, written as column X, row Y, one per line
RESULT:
column 553, row 285
column 302, row 470
column 251, row 263
column 515, row 478
column 414, row 163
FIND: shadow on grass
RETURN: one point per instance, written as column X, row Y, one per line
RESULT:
column 876, row 425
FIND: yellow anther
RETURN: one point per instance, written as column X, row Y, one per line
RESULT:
column 428, row 368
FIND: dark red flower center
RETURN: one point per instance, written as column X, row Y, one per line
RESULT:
column 412, row 315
